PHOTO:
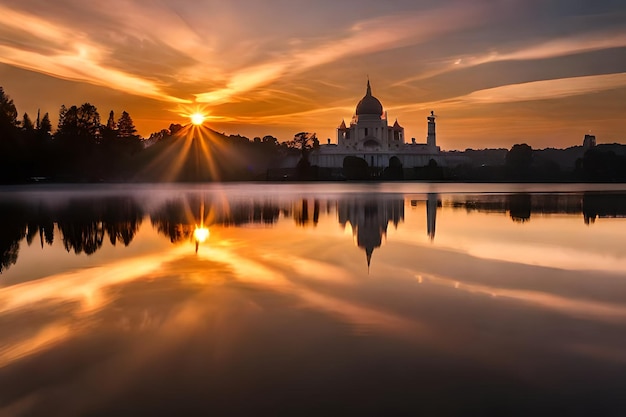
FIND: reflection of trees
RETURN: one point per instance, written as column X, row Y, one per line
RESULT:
column 83, row 224
column 12, row 229
column 519, row 206
column 522, row 205
column 177, row 219
column 603, row 205
column 122, row 221
column 301, row 212
column 369, row 220
column 82, row 234
column 171, row 220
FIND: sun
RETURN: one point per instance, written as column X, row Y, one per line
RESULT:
column 197, row 118
column 201, row 234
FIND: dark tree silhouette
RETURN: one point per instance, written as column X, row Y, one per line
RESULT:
column 111, row 121
column 305, row 142
column 10, row 153
column 8, row 114
column 109, row 131
column 394, row 171
column 269, row 140
column 126, row 127
column 519, row 158
column 27, row 123
column 79, row 123
column 45, row 126
column 600, row 164
column 355, row 168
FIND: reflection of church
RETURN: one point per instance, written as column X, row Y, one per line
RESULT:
column 369, row 219
column 369, row 136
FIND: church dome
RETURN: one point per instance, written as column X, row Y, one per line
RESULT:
column 369, row 104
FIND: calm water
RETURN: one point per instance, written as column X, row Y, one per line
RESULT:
column 316, row 299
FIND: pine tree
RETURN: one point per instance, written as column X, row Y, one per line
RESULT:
column 62, row 114
column 109, row 131
column 111, row 125
column 27, row 124
column 126, row 127
column 79, row 123
column 45, row 126
column 8, row 113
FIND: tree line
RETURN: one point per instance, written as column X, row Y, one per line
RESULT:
column 84, row 148
column 81, row 148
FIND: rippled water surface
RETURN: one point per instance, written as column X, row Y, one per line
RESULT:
column 313, row 299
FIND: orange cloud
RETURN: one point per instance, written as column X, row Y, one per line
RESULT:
column 70, row 55
column 364, row 37
column 545, row 89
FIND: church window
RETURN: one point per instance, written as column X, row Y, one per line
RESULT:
column 365, row 131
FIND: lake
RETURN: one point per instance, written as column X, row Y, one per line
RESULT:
column 313, row 299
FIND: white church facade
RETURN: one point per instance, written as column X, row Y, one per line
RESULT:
column 369, row 136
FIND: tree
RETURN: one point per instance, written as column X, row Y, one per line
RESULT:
column 126, row 127
column 8, row 114
column 45, row 127
column 520, row 156
column 79, row 123
column 27, row 124
column 109, row 131
column 111, row 122
column 269, row 140
column 355, row 168
column 305, row 142
column 519, row 159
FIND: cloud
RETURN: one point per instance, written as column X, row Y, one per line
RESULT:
column 544, row 89
column 66, row 54
column 364, row 37
column 553, row 48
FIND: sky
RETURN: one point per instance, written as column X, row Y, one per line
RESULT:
column 496, row 72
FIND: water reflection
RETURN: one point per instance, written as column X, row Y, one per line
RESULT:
column 521, row 206
column 83, row 224
column 369, row 219
column 507, row 303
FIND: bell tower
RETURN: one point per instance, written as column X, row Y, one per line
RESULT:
column 431, row 140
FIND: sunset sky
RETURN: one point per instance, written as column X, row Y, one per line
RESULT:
column 496, row 72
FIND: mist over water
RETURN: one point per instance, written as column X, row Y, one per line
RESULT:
column 309, row 299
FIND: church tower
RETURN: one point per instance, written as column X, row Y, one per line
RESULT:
column 431, row 140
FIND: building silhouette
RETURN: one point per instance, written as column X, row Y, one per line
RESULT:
column 370, row 137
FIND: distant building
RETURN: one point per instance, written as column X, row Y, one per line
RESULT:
column 369, row 136
column 589, row 141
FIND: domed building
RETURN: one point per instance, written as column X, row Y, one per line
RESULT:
column 370, row 137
